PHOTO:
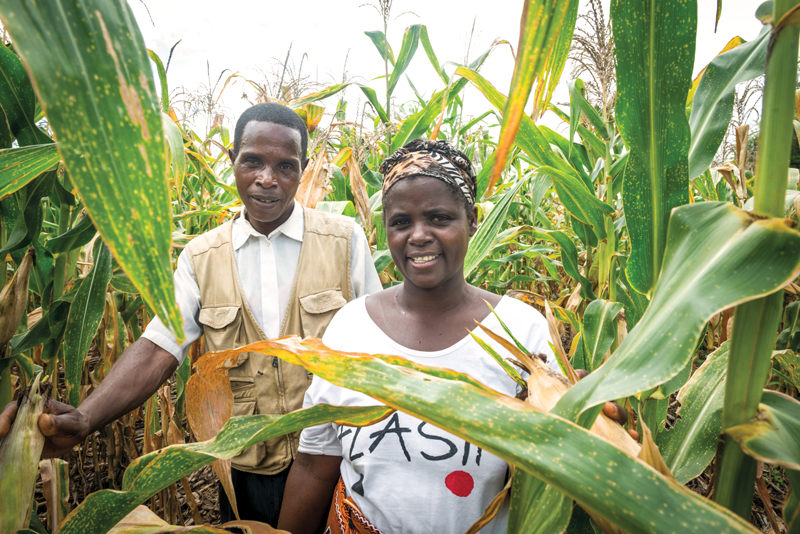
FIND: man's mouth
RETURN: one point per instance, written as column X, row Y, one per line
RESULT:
column 424, row 259
column 265, row 201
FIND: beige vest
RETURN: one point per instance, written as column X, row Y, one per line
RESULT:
column 263, row 384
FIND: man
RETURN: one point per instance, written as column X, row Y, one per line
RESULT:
column 276, row 269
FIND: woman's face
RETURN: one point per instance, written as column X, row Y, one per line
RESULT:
column 428, row 231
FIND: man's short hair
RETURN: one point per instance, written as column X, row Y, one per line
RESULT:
column 276, row 114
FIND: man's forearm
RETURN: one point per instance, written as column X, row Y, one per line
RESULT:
column 138, row 373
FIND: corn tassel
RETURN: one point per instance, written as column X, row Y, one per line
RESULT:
column 19, row 460
column 13, row 300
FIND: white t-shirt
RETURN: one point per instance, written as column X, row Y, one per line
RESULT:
column 408, row 476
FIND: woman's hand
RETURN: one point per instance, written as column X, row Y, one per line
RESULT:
column 612, row 409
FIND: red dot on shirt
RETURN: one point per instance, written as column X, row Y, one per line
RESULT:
column 460, row 483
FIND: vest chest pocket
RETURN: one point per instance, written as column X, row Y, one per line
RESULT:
column 317, row 310
column 221, row 326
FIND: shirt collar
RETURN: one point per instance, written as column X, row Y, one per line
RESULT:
column 292, row 228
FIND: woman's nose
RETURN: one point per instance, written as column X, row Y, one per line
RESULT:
column 420, row 234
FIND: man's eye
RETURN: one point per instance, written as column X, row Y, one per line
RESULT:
column 441, row 218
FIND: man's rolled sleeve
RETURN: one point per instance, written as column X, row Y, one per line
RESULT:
column 363, row 276
column 187, row 295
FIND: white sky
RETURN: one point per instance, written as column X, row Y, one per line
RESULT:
column 242, row 35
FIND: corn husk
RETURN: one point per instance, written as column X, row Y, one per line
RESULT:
column 13, row 299
column 19, row 460
column 546, row 387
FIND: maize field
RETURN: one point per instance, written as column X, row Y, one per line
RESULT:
column 658, row 238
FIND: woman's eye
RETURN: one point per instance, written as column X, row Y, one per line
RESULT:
column 400, row 222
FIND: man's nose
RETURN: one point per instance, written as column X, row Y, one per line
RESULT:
column 266, row 178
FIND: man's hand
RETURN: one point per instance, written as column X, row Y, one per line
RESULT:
column 612, row 409
column 62, row 425
column 138, row 373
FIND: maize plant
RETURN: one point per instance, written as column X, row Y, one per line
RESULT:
column 665, row 268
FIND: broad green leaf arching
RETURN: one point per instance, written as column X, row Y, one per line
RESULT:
column 93, row 78
column 655, row 43
column 84, row 317
column 558, row 452
column 153, row 472
column 18, row 166
column 773, row 436
column 712, row 106
column 689, row 446
column 717, row 256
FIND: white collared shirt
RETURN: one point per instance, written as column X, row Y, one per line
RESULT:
column 267, row 266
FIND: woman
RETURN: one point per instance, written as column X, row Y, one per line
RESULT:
column 402, row 475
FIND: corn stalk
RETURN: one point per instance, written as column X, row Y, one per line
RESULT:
column 756, row 323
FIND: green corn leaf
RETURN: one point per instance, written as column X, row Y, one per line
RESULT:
column 712, row 106
column 719, row 14
column 84, row 318
column 162, row 80
column 426, row 45
column 417, row 124
column 93, row 76
column 384, row 49
column 541, row 27
column 569, row 260
column 176, row 157
column 690, row 445
column 318, row 95
column 121, row 282
column 407, row 50
column 381, row 259
column 655, row 43
column 507, row 367
column 536, row 507
column 556, row 59
column 19, row 166
column 373, row 100
column 28, row 211
column 483, row 177
column 579, row 104
column 75, row 237
column 773, row 435
column 598, row 330
column 707, row 242
column 481, row 243
column 578, row 200
column 17, row 103
column 153, row 472
column 558, row 452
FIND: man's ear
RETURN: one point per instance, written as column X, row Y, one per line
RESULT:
column 304, row 165
column 473, row 220
column 232, row 155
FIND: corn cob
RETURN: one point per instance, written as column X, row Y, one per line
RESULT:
column 19, row 460
column 13, row 300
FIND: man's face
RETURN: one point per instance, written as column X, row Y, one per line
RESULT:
column 268, row 168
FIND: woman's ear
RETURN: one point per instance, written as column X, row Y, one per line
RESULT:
column 473, row 220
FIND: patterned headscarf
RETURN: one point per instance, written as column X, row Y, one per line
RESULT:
column 437, row 159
